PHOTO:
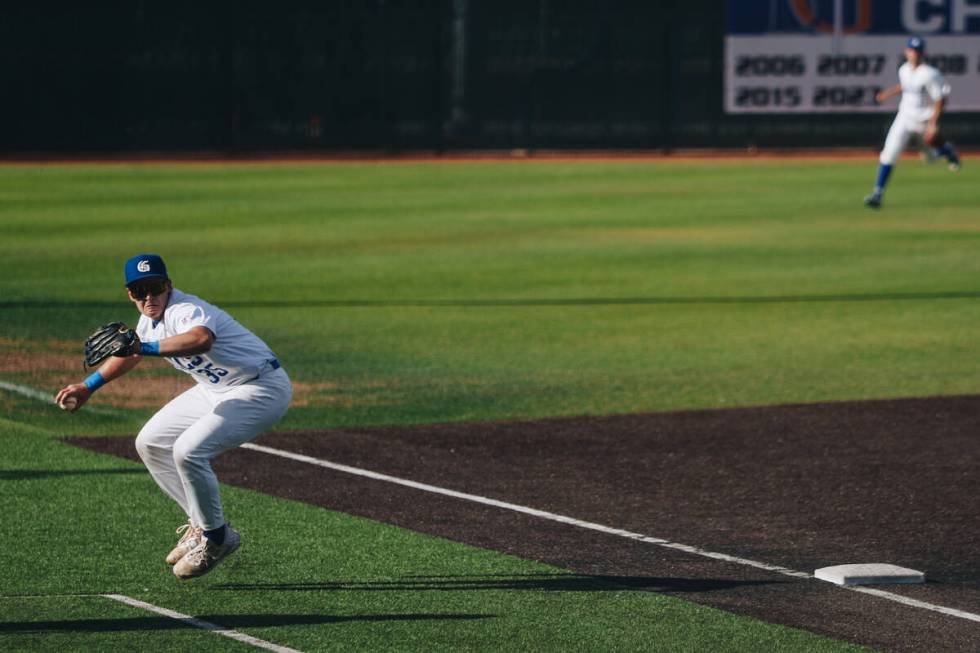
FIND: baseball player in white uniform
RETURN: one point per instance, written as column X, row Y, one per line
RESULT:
column 241, row 391
column 924, row 93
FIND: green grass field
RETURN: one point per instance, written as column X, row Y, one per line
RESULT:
column 423, row 293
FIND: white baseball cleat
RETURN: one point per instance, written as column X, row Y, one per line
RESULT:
column 206, row 555
column 191, row 538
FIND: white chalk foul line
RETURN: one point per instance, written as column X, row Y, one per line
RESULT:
column 27, row 391
column 897, row 598
column 525, row 510
column 200, row 623
column 915, row 603
column 31, row 393
column 687, row 548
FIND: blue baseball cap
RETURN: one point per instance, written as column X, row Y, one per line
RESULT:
column 916, row 43
column 145, row 266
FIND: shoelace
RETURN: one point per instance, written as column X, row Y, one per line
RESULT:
column 202, row 552
column 188, row 531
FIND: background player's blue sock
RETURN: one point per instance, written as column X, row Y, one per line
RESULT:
column 946, row 151
column 884, row 170
column 217, row 535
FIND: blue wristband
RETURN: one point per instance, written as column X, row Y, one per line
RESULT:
column 95, row 382
column 150, row 348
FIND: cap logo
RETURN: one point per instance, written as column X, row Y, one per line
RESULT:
column 143, row 266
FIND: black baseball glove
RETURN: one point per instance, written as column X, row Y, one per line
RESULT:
column 114, row 339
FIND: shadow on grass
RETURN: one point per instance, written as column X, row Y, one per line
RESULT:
column 213, row 621
column 33, row 474
column 530, row 583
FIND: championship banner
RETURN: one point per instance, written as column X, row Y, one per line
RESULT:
column 823, row 56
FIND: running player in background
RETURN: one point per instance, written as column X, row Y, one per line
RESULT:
column 241, row 391
column 924, row 94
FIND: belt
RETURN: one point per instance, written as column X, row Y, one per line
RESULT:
column 273, row 363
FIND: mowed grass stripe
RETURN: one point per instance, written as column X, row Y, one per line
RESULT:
column 441, row 272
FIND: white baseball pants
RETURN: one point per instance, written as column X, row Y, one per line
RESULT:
column 899, row 133
column 178, row 443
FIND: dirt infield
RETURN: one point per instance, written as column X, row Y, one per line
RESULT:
column 802, row 487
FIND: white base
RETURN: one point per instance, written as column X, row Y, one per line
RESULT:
column 869, row 574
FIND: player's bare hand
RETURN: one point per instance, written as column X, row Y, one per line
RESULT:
column 73, row 397
column 887, row 93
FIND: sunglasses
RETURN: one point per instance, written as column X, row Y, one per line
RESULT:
column 144, row 289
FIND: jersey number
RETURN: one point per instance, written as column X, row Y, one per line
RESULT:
column 213, row 373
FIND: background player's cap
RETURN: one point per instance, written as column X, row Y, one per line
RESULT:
column 145, row 266
column 916, row 43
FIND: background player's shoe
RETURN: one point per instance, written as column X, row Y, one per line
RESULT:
column 191, row 538
column 873, row 200
column 206, row 555
column 949, row 151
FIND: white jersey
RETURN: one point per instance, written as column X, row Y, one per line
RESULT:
column 236, row 357
column 922, row 87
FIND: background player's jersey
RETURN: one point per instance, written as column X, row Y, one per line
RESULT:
column 922, row 86
column 237, row 355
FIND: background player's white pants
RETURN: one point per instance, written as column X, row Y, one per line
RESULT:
column 178, row 443
column 899, row 133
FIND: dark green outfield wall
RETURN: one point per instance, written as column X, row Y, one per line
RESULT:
column 385, row 75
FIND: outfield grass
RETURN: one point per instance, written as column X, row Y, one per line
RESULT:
column 494, row 290
column 417, row 293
